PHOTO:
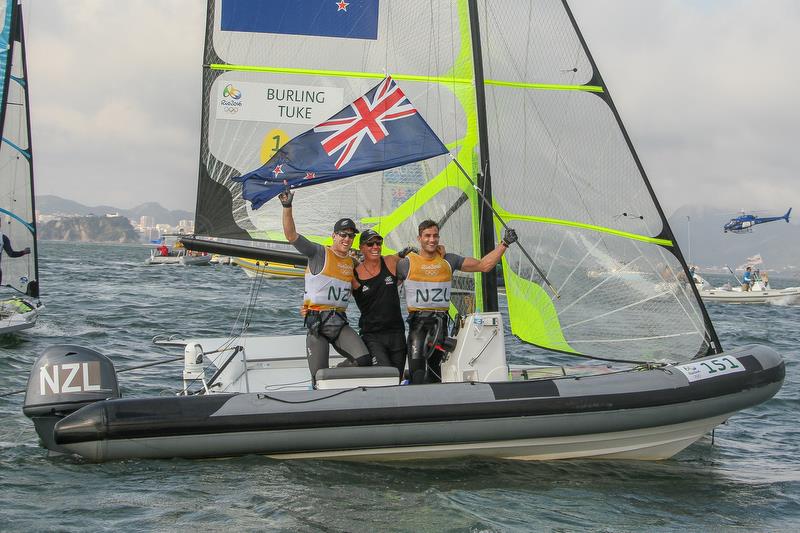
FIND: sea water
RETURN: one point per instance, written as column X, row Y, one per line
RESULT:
column 104, row 297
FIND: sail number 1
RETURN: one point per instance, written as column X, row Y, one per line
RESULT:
column 711, row 368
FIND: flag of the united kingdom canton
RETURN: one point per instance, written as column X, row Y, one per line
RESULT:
column 378, row 131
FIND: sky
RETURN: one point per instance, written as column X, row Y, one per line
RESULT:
column 706, row 89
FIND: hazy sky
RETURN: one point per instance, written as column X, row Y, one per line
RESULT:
column 707, row 90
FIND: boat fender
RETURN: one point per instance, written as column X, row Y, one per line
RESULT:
column 64, row 379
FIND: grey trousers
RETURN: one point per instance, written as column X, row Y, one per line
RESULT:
column 330, row 328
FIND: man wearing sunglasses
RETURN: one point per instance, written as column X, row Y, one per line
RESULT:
column 375, row 289
column 328, row 284
column 428, row 279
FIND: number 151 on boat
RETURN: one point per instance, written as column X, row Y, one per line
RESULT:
column 711, row 368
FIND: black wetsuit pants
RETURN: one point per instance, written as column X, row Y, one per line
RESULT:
column 326, row 328
column 426, row 330
column 387, row 348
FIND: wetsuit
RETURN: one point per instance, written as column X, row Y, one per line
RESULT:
column 427, row 285
column 381, row 323
column 6, row 247
column 327, row 293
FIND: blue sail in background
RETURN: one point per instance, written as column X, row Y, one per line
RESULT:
column 378, row 131
column 354, row 19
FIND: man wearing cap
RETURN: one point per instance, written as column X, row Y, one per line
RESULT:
column 375, row 289
column 328, row 278
column 428, row 278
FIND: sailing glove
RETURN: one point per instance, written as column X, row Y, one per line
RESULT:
column 286, row 197
column 407, row 250
column 509, row 237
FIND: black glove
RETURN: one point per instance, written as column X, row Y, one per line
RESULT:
column 510, row 236
column 407, row 250
column 286, row 197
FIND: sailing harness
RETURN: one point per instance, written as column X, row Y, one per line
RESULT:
column 321, row 323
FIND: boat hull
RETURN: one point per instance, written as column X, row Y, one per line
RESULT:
column 18, row 314
column 647, row 414
column 786, row 296
column 270, row 269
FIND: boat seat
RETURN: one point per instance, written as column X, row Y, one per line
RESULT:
column 357, row 376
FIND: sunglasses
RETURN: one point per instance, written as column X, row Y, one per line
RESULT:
column 346, row 234
column 370, row 244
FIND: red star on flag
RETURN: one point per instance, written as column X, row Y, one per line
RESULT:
column 342, row 5
column 277, row 170
column 310, row 175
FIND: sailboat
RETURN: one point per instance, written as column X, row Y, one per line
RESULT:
column 17, row 213
column 513, row 92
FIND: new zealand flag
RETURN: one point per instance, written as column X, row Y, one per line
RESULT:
column 380, row 130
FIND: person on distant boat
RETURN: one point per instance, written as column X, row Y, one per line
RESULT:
column 6, row 247
column 428, row 278
column 163, row 250
column 747, row 279
column 328, row 278
column 376, row 292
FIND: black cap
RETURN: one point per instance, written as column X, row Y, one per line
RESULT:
column 369, row 234
column 343, row 224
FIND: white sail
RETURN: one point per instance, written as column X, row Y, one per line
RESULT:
column 16, row 186
column 566, row 177
column 563, row 171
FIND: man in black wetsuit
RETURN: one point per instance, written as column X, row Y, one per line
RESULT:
column 5, row 247
column 375, row 289
column 428, row 278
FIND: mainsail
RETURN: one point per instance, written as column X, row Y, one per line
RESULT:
column 514, row 94
column 16, row 161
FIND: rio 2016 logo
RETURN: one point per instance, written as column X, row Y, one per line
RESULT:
column 231, row 92
column 231, row 99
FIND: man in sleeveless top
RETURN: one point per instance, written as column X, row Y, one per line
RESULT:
column 428, row 279
column 375, row 289
column 5, row 247
column 328, row 280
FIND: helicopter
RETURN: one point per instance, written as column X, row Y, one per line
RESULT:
column 744, row 223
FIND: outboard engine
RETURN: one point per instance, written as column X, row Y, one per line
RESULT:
column 64, row 379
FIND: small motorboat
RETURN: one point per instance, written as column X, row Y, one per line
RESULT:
column 759, row 292
column 177, row 257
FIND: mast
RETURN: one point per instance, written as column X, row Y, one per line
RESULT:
column 33, row 288
column 489, row 279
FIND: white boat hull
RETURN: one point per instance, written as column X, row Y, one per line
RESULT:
column 185, row 260
column 788, row 296
column 12, row 320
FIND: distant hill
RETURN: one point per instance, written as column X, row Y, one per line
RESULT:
column 89, row 229
column 55, row 205
column 777, row 242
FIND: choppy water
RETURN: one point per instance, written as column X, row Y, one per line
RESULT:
column 104, row 297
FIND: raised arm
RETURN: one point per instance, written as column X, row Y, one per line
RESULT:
column 490, row 260
column 10, row 251
column 289, row 230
